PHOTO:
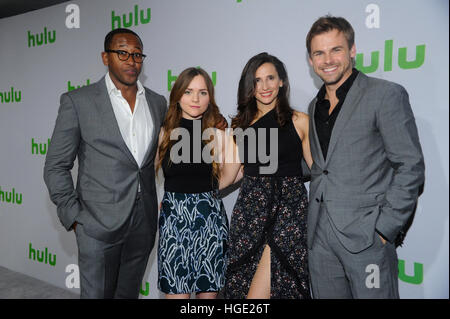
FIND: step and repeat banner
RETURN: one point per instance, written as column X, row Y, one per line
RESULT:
column 47, row 52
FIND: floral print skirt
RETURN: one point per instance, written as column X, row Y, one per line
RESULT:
column 270, row 211
column 193, row 233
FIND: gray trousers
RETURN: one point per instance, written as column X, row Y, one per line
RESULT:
column 115, row 270
column 337, row 273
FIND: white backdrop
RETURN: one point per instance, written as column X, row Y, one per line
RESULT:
column 47, row 52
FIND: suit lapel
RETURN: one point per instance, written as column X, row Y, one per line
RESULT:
column 315, row 143
column 156, row 120
column 351, row 101
column 103, row 103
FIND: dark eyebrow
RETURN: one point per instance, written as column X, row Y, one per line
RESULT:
column 270, row 74
column 125, row 45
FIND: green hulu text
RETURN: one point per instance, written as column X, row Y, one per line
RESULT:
column 11, row 96
column 416, row 278
column 71, row 87
column 42, row 256
column 39, row 148
column 172, row 78
column 134, row 18
column 42, row 38
column 403, row 63
column 146, row 291
column 10, row 197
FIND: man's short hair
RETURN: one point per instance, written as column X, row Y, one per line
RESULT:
column 328, row 23
column 110, row 35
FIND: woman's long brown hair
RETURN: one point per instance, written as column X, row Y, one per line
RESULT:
column 247, row 108
column 174, row 113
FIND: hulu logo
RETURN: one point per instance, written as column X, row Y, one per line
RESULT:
column 40, row 148
column 403, row 63
column 147, row 289
column 416, row 278
column 11, row 96
column 116, row 22
column 172, row 78
column 10, row 197
column 41, row 38
column 71, row 88
column 41, row 256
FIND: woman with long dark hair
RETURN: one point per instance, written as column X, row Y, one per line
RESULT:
column 267, row 244
column 193, row 226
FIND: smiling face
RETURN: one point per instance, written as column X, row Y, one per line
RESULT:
column 268, row 84
column 331, row 57
column 123, row 73
column 195, row 99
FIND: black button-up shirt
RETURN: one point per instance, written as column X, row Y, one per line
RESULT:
column 324, row 121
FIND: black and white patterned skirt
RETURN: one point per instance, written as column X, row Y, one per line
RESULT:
column 193, row 234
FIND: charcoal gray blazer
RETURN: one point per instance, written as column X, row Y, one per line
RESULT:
column 108, row 175
column 371, row 177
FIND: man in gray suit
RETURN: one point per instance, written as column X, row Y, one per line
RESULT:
column 368, row 167
column 112, row 127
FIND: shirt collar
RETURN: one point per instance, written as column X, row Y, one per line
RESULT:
column 111, row 87
column 342, row 91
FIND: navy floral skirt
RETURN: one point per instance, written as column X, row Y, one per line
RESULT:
column 193, row 233
column 269, row 211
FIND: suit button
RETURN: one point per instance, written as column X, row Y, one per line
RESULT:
column 325, row 172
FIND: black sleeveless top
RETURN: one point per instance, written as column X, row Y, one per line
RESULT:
column 188, row 177
column 290, row 152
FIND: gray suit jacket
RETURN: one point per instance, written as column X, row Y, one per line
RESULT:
column 374, row 167
column 108, row 175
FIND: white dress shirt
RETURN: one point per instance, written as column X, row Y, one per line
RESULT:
column 136, row 127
